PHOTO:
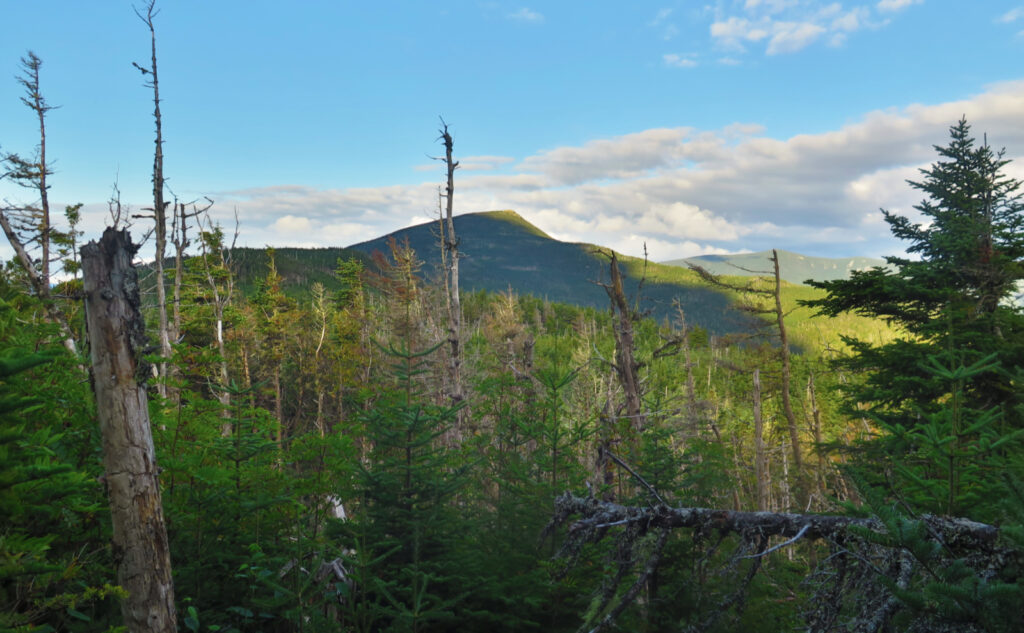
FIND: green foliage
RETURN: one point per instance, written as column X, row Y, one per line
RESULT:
column 952, row 456
column 939, row 588
column 51, row 560
column 406, row 521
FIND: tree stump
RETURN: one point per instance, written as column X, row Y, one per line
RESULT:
column 117, row 338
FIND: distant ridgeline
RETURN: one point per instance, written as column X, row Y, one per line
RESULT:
column 793, row 267
column 501, row 250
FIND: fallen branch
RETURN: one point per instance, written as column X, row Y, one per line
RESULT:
column 955, row 534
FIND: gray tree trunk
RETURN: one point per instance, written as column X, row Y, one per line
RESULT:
column 116, row 337
column 451, row 246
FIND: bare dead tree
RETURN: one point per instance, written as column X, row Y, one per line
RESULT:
column 787, row 406
column 159, row 210
column 116, row 333
column 183, row 213
column 627, row 368
column 757, row 290
column 450, row 243
column 29, row 228
column 217, row 264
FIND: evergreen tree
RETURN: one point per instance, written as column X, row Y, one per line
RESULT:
column 408, row 525
column 54, row 573
column 953, row 297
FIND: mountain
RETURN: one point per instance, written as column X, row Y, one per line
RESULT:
column 793, row 267
column 501, row 250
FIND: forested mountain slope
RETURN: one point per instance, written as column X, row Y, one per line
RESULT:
column 501, row 250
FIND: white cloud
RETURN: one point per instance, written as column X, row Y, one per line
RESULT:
column 679, row 61
column 790, row 37
column 680, row 190
column 622, row 157
column 1011, row 16
column 896, row 5
column 526, row 15
column 734, row 31
column 292, row 224
column 484, row 163
column 789, row 26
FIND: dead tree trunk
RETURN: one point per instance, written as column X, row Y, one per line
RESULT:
column 116, row 337
column 159, row 206
column 802, row 493
column 451, row 247
column 626, row 367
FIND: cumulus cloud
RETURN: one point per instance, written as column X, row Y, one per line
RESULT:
column 788, row 26
column 679, row 190
column 622, row 157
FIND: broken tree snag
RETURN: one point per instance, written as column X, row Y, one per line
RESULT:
column 117, row 338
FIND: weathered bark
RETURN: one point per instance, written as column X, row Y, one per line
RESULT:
column 117, row 339
column 451, row 247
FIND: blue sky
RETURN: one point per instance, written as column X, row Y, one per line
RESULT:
column 693, row 127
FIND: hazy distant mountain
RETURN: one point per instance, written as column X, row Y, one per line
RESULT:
column 501, row 250
column 793, row 267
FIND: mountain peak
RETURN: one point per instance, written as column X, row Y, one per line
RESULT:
column 508, row 215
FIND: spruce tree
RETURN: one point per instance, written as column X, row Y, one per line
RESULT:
column 950, row 294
